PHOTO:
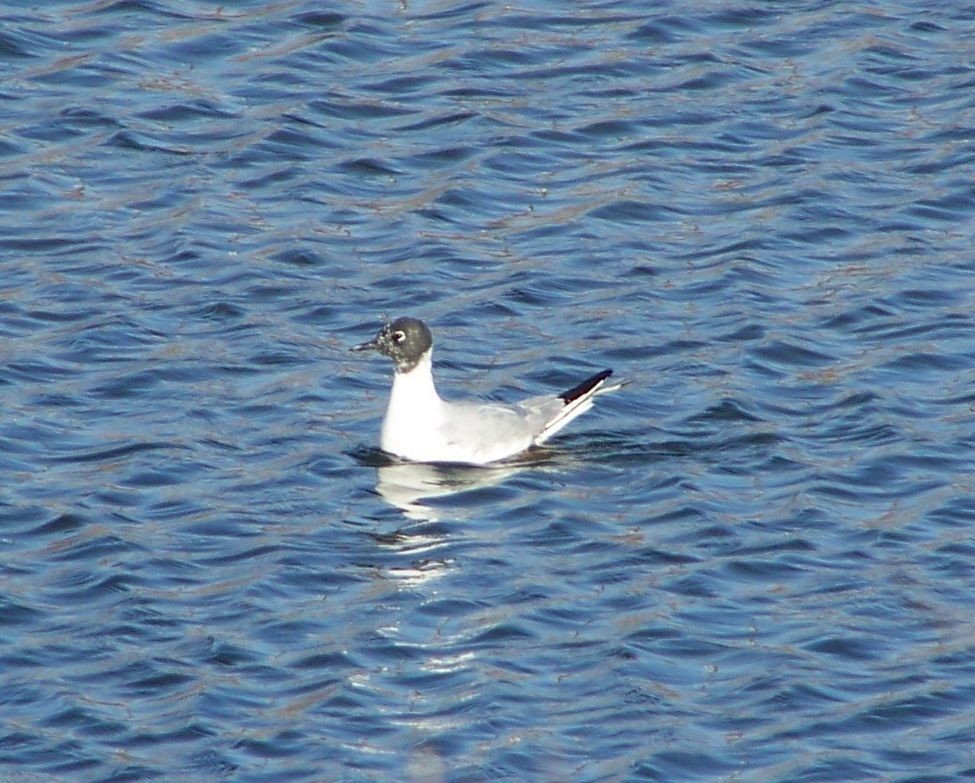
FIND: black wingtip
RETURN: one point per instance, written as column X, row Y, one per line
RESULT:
column 585, row 387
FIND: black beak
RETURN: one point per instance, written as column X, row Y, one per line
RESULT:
column 372, row 345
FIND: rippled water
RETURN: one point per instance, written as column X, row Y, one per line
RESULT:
column 754, row 563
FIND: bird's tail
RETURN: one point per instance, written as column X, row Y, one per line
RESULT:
column 577, row 401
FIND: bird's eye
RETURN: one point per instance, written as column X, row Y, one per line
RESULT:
column 399, row 336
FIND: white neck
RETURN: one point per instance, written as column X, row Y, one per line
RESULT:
column 417, row 384
column 414, row 410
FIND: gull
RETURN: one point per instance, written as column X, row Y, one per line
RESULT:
column 420, row 426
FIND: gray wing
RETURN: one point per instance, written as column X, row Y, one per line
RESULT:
column 494, row 431
column 541, row 410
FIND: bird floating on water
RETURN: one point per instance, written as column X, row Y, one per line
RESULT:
column 422, row 427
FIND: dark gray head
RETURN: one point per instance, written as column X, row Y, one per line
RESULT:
column 404, row 341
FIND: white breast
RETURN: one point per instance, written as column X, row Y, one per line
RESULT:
column 414, row 416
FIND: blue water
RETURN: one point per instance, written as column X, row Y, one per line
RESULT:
column 754, row 563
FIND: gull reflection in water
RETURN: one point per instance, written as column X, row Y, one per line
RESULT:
column 422, row 492
column 407, row 484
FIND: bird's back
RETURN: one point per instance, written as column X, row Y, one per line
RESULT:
column 485, row 432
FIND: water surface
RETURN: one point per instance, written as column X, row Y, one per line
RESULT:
column 754, row 563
